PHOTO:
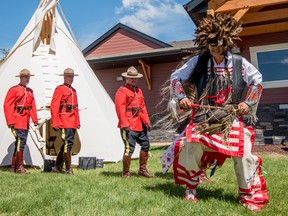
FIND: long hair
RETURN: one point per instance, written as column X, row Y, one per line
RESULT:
column 200, row 68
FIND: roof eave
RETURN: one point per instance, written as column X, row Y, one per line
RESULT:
column 196, row 9
column 138, row 55
column 127, row 28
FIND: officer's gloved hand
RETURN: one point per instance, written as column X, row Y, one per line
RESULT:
column 11, row 125
column 55, row 128
column 36, row 124
column 149, row 127
column 127, row 129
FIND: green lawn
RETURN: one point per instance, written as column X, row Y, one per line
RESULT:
column 104, row 192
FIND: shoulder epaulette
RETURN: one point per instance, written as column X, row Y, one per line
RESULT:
column 29, row 89
column 14, row 86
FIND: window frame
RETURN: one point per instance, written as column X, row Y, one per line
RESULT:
column 273, row 47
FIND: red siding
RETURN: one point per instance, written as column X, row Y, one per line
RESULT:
column 274, row 96
column 160, row 73
column 260, row 40
column 122, row 42
column 269, row 96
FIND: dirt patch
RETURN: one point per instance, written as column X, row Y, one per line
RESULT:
column 272, row 149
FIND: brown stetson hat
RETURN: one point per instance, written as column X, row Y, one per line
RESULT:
column 24, row 73
column 68, row 72
column 132, row 73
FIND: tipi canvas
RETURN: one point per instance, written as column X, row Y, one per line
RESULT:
column 46, row 48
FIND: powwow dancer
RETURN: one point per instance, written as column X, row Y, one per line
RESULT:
column 213, row 79
column 65, row 119
column 19, row 107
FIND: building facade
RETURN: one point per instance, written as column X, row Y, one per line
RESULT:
column 264, row 43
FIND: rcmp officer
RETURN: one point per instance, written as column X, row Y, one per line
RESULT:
column 19, row 106
column 133, row 122
column 65, row 119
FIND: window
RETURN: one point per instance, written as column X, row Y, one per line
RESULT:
column 272, row 62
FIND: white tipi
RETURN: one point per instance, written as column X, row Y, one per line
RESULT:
column 46, row 48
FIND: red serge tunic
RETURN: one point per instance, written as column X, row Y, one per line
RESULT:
column 130, row 108
column 19, row 106
column 64, row 107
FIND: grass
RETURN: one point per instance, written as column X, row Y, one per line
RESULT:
column 104, row 192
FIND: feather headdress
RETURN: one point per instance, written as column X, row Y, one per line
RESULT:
column 219, row 29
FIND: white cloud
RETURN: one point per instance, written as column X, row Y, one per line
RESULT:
column 284, row 61
column 160, row 19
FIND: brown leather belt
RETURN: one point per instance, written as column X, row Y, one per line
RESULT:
column 70, row 106
column 131, row 109
column 135, row 110
column 20, row 109
column 23, row 107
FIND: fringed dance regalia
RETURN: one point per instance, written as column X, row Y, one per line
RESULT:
column 215, row 131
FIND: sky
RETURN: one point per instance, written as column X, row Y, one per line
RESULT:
column 165, row 20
